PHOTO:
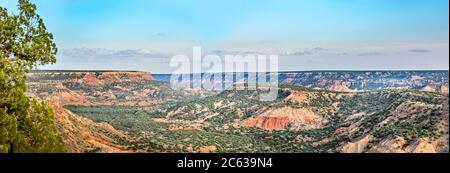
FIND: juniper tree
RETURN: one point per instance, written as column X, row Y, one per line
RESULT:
column 26, row 124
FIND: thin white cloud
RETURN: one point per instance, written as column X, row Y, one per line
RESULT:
column 372, row 54
column 304, row 52
column 99, row 52
column 161, row 35
column 420, row 51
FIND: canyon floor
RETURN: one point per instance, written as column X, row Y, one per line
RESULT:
column 330, row 113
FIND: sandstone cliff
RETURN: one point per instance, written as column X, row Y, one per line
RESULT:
column 286, row 118
column 111, row 77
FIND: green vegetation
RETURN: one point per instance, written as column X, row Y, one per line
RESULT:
column 424, row 126
column 157, row 136
column 26, row 125
column 194, row 123
column 187, row 120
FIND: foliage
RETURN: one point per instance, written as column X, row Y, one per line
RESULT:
column 220, row 112
column 26, row 125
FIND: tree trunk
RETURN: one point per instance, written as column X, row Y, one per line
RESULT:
column 11, row 148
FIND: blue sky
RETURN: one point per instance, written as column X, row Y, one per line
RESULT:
column 351, row 34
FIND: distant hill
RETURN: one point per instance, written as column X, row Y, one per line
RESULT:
column 356, row 80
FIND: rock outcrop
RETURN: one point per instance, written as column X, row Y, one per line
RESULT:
column 444, row 89
column 286, row 118
column 356, row 147
column 268, row 123
column 207, row 149
column 112, row 77
column 399, row 145
column 338, row 86
column 428, row 88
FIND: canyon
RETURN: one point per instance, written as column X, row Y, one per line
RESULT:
column 117, row 111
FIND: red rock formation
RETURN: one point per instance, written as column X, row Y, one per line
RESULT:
column 90, row 79
column 71, row 97
column 284, row 118
column 208, row 149
column 268, row 123
column 339, row 131
column 125, row 76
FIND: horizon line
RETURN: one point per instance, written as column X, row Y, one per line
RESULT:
column 284, row 71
